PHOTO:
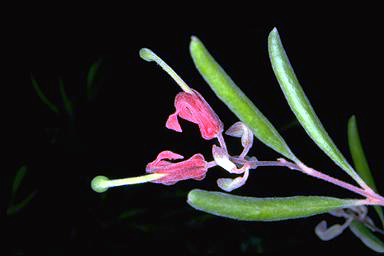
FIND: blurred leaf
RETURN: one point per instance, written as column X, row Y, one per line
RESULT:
column 18, row 178
column 289, row 125
column 42, row 97
column 236, row 100
column 130, row 213
column 252, row 244
column 15, row 208
column 68, row 106
column 91, row 75
column 264, row 209
column 300, row 104
column 360, row 161
column 367, row 236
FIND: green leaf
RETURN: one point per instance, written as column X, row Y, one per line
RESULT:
column 91, row 78
column 236, row 100
column 18, row 178
column 367, row 236
column 68, row 106
column 15, row 208
column 360, row 161
column 300, row 104
column 264, row 209
column 42, row 97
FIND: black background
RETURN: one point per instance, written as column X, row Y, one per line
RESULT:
column 123, row 128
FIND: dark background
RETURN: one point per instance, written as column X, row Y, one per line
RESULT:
column 123, row 128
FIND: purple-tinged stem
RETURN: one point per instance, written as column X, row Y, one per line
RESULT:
column 211, row 164
column 222, row 143
column 372, row 198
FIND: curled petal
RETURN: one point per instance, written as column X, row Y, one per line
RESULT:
column 339, row 213
column 228, row 184
column 222, row 158
column 240, row 130
column 194, row 108
column 173, row 124
column 360, row 210
column 167, row 154
column 235, row 130
column 326, row 234
column 159, row 161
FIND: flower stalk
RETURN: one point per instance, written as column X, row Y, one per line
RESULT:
column 101, row 183
column 372, row 198
column 148, row 55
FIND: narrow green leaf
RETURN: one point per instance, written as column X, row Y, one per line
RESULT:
column 15, row 208
column 236, row 100
column 264, row 209
column 367, row 236
column 360, row 161
column 300, row 104
column 18, row 178
column 91, row 75
column 68, row 106
column 42, row 97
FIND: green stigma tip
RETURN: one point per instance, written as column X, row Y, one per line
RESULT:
column 146, row 54
column 99, row 184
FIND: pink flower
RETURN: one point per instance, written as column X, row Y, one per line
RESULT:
column 193, row 168
column 194, row 108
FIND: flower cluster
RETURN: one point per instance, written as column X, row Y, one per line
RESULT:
column 358, row 213
column 194, row 108
column 191, row 106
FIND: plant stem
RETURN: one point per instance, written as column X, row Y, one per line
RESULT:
column 372, row 198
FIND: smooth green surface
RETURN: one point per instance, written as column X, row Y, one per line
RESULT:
column 360, row 161
column 98, row 184
column 264, row 209
column 236, row 100
column 367, row 236
column 300, row 104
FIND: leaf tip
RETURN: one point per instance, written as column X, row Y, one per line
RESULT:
column 195, row 42
column 194, row 38
column 274, row 32
column 192, row 195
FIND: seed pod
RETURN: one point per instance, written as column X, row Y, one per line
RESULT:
column 264, row 209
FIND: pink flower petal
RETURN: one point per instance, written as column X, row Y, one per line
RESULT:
column 167, row 154
column 192, row 168
column 193, row 107
column 172, row 123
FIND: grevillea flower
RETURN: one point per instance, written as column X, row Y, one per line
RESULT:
column 192, row 168
column 194, row 108
column 191, row 106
